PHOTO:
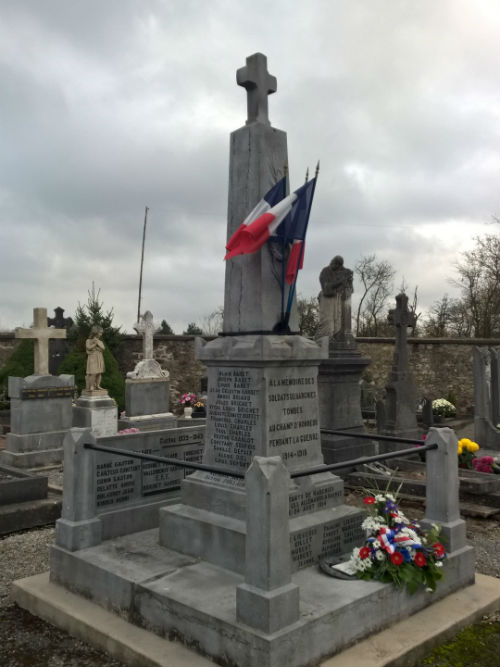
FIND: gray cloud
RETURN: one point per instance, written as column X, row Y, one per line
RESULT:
column 108, row 107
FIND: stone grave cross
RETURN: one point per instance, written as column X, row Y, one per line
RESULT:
column 259, row 84
column 401, row 318
column 147, row 328
column 42, row 334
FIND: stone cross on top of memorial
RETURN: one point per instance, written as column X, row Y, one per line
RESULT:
column 41, row 334
column 258, row 83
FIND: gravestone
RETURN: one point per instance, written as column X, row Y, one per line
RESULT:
column 58, row 347
column 40, row 404
column 339, row 380
column 397, row 415
column 487, row 397
column 147, row 386
column 262, row 388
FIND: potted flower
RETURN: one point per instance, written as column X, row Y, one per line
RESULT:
column 396, row 549
column 466, row 453
column 199, row 408
column 442, row 408
column 187, row 401
column 486, row 464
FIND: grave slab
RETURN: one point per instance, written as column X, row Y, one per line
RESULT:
column 24, row 500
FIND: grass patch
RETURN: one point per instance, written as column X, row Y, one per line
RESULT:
column 476, row 646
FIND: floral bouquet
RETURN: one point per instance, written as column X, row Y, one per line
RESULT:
column 466, row 453
column 487, row 464
column 443, row 408
column 187, row 400
column 397, row 550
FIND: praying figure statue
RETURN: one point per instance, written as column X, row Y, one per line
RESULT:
column 335, row 300
column 95, row 359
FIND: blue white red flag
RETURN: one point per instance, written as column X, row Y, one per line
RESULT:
column 294, row 229
column 260, row 223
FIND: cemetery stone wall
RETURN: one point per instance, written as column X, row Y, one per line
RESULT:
column 441, row 366
column 7, row 346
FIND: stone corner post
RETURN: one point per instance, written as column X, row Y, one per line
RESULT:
column 442, row 504
column 268, row 600
column 79, row 527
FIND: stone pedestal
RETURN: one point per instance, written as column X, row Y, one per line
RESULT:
column 97, row 411
column 262, row 401
column 340, row 401
column 41, row 414
column 146, row 404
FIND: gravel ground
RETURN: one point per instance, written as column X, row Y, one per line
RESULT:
column 26, row 640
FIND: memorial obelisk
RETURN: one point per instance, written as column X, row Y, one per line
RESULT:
column 262, row 387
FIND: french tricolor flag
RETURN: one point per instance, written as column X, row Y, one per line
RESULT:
column 262, row 222
column 294, row 229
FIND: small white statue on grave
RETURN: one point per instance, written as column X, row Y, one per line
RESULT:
column 335, row 299
column 95, row 359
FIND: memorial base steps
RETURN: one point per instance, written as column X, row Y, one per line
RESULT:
column 175, row 595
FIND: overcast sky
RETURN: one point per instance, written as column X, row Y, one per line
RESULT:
column 111, row 105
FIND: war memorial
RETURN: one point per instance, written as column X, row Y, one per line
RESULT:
column 229, row 569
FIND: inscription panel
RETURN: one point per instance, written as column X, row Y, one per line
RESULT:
column 315, row 499
column 121, row 480
column 293, row 416
column 333, row 538
column 47, row 392
column 233, row 424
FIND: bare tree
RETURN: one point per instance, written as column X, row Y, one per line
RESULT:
column 479, row 283
column 308, row 312
column 376, row 278
column 212, row 323
column 476, row 313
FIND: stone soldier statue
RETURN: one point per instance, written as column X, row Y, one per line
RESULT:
column 95, row 359
column 335, row 299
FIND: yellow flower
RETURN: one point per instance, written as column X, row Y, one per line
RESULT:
column 459, row 449
column 472, row 446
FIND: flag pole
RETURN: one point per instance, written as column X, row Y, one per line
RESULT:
column 292, row 288
column 142, row 263
column 283, row 250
